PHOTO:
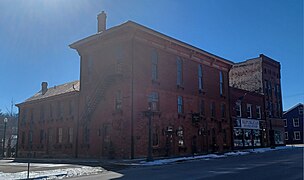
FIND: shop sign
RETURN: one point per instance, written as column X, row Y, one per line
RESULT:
column 250, row 124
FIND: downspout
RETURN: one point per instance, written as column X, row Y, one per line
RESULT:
column 77, row 122
column 231, row 120
column 132, row 98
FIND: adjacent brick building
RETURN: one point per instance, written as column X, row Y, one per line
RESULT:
column 293, row 121
column 47, row 122
column 248, row 119
column 262, row 75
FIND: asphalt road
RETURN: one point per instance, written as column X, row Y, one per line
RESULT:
column 280, row 164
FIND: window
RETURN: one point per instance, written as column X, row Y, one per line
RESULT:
column 224, row 136
column 30, row 137
column 286, row 135
column 179, row 64
column 249, row 112
column 59, row 109
column 86, row 134
column 154, row 65
column 24, row 115
column 51, row 110
column 295, row 122
column 180, row 108
column 212, row 109
column 238, row 109
column 153, row 101
column 285, row 122
column 41, row 136
column 70, row 133
column 258, row 112
column 32, row 115
column 266, row 87
column 180, row 135
column 270, row 88
column 119, row 58
column 200, row 77
column 221, row 83
column 297, row 135
column 155, row 138
column 301, row 110
column 41, row 112
column 23, row 138
column 90, row 69
column 59, row 140
column 50, row 135
column 71, row 107
column 223, row 110
column 118, row 100
column 202, row 107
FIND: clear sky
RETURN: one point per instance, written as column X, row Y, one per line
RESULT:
column 35, row 34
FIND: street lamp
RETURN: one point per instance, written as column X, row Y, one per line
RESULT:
column 3, row 143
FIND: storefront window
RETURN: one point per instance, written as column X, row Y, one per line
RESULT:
column 247, row 137
column 180, row 135
column 257, row 137
column 238, row 138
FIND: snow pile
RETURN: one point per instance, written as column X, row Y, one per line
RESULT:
column 180, row 159
column 237, row 153
column 211, row 156
column 53, row 174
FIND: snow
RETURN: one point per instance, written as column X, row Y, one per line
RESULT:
column 212, row 156
column 60, row 172
column 53, row 174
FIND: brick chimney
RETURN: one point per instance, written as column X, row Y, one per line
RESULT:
column 102, row 21
column 44, row 87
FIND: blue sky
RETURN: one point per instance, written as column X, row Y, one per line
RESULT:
column 35, row 35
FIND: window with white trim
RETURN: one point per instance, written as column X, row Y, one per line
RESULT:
column 153, row 101
column 258, row 112
column 301, row 110
column 200, row 77
column 285, row 122
column 238, row 109
column 297, row 135
column 296, row 122
column 221, row 83
column 286, row 136
column 70, row 135
column 118, row 101
column 249, row 110
column 179, row 64
column 180, row 108
column 154, row 59
column 59, row 140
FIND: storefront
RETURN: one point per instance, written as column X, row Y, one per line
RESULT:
column 247, row 133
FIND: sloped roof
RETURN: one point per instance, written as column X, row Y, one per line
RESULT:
column 56, row 90
column 293, row 107
column 76, row 44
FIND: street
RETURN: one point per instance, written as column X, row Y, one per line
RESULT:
column 280, row 164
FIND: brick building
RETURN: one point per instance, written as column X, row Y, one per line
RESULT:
column 293, row 120
column 47, row 122
column 262, row 75
column 127, row 73
column 248, row 119
column 128, row 68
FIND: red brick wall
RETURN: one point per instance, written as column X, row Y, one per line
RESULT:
column 48, row 148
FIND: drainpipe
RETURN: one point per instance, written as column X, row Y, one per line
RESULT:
column 132, row 98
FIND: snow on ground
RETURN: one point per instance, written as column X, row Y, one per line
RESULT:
column 53, row 174
column 86, row 170
column 212, row 156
